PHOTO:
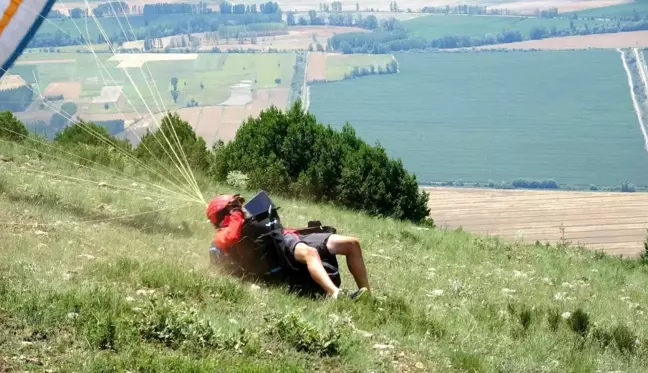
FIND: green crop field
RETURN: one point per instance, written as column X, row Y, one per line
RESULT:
column 498, row 116
column 616, row 11
column 217, row 72
column 436, row 26
column 338, row 65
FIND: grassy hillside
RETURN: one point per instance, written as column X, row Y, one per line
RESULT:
column 84, row 290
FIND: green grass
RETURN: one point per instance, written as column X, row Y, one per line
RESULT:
column 565, row 115
column 216, row 71
column 84, row 291
column 616, row 11
column 338, row 65
column 437, row 26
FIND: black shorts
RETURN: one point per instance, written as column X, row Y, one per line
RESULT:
column 300, row 277
column 315, row 240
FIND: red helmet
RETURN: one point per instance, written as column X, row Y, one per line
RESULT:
column 217, row 207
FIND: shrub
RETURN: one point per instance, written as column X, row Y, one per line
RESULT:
column 70, row 108
column 627, row 187
column 579, row 322
column 535, row 184
column 237, row 180
column 181, row 327
column 11, row 128
column 303, row 336
column 174, row 140
column 290, row 153
column 89, row 133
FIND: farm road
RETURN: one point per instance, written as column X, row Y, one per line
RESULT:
column 613, row 222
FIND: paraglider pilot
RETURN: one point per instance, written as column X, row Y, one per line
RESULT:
column 303, row 256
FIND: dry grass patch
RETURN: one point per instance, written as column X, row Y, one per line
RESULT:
column 69, row 90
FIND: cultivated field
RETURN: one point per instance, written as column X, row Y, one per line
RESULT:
column 212, row 123
column 529, row 7
column 8, row 82
column 635, row 39
column 613, row 222
column 339, row 64
column 69, row 90
column 485, row 116
column 144, row 80
column 333, row 66
column 436, row 25
column 625, row 9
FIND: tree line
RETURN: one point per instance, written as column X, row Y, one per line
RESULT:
column 357, row 71
column 387, row 41
column 464, row 9
column 336, row 19
column 176, row 8
column 283, row 152
column 264, row 8
column 173, row 25
column 16, row 99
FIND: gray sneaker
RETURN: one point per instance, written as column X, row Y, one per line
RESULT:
column 360, row 293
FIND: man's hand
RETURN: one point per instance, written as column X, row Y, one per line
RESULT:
column 236, row 203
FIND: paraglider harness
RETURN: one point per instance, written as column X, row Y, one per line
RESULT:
column 258, row 253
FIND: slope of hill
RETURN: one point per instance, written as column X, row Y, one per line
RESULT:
column 99, row 278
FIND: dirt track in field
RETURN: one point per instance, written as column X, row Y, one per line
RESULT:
column 613, row 222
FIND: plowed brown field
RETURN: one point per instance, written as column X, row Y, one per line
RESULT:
column 613, row 222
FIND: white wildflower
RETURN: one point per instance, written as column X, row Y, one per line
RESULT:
column 518, row 274
column 565, row 315
column 560, row 296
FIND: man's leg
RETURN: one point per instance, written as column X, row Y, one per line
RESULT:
column 309, row 256
column 350, row 247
